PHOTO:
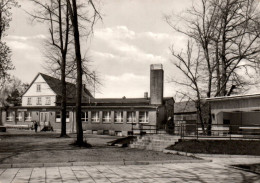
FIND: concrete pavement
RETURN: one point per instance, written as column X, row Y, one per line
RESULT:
column 216, row 171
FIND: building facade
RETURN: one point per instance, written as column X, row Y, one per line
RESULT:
column 114, row 116
column 236, row 114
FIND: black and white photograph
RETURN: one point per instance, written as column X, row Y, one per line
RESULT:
column 129, row 91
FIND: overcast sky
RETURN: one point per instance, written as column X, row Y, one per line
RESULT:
column 133, row 35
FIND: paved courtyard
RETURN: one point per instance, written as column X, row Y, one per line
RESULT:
column 214, row 171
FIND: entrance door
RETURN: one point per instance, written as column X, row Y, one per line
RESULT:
column 44, row 119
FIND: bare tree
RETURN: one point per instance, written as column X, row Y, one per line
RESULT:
column 74, row 16
column 190, row 65
column 55, row 14
column 226, row 33
column 62, row 58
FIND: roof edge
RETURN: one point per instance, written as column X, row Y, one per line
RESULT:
column 31, row 84
column 234, row 97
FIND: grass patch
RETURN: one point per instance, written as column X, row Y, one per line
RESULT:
column 83, row 144
column 124, row 141
column 235, row 147
column 30, row 147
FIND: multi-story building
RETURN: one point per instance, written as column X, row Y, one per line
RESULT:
column 115, row 116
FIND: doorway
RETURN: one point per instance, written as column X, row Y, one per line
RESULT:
column 44, row 119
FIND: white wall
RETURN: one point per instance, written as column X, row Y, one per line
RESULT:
column 32, row 92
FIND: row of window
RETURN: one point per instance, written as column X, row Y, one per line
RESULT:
column 106, row 117
column 19, row 116
column 39, row 101
column 118, row 115
column 28, row 116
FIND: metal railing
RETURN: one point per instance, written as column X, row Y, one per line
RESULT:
column 144, row 129
column 218, row 131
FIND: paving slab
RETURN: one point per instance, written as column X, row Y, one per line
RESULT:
column 1, row 171
column 8, row 175
column 183, row 172
column 53, row 174
column 23, row 175
column 38, row 175
column 67, row 174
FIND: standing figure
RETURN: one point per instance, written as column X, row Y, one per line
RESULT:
column 35, row 126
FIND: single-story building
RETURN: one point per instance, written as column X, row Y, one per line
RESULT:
column 235, row 114
column 121, row 116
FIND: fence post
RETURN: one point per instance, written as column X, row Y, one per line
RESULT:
column 181, row 131
column 197, row 133
column 230, row 131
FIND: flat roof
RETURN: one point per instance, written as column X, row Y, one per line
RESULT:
column 234, row 97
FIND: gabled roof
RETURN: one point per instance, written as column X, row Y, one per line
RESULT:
column 55, row 85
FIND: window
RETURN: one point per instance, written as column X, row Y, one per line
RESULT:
column 107, row 116
column 67, row 116
column 84, row 116
column 226, row 122
column 28, row 116
column 58, row 116
column 29, row 101
column 9, row 116
column 118, row 133
column 48, row 101
column 119, row 117
column 131, row 117
column 19, row 116
column 39, row 101
column 143, row 116
column 95, row 116
column 38, row 88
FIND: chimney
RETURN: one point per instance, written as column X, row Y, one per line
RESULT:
column 146, row 95
column 156, row 84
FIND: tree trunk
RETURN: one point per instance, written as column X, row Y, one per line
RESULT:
column 63, row 75
column 1, row 28
column 209, row 119
column 63, row 100
column 199, row 110
column 223, row 78
column 74, row 20
column 217, row 69
column 223, row 57
column 1, row 123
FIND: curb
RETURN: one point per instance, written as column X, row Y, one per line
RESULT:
column 37, row 165
column 199, row 155
column 181, row 153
